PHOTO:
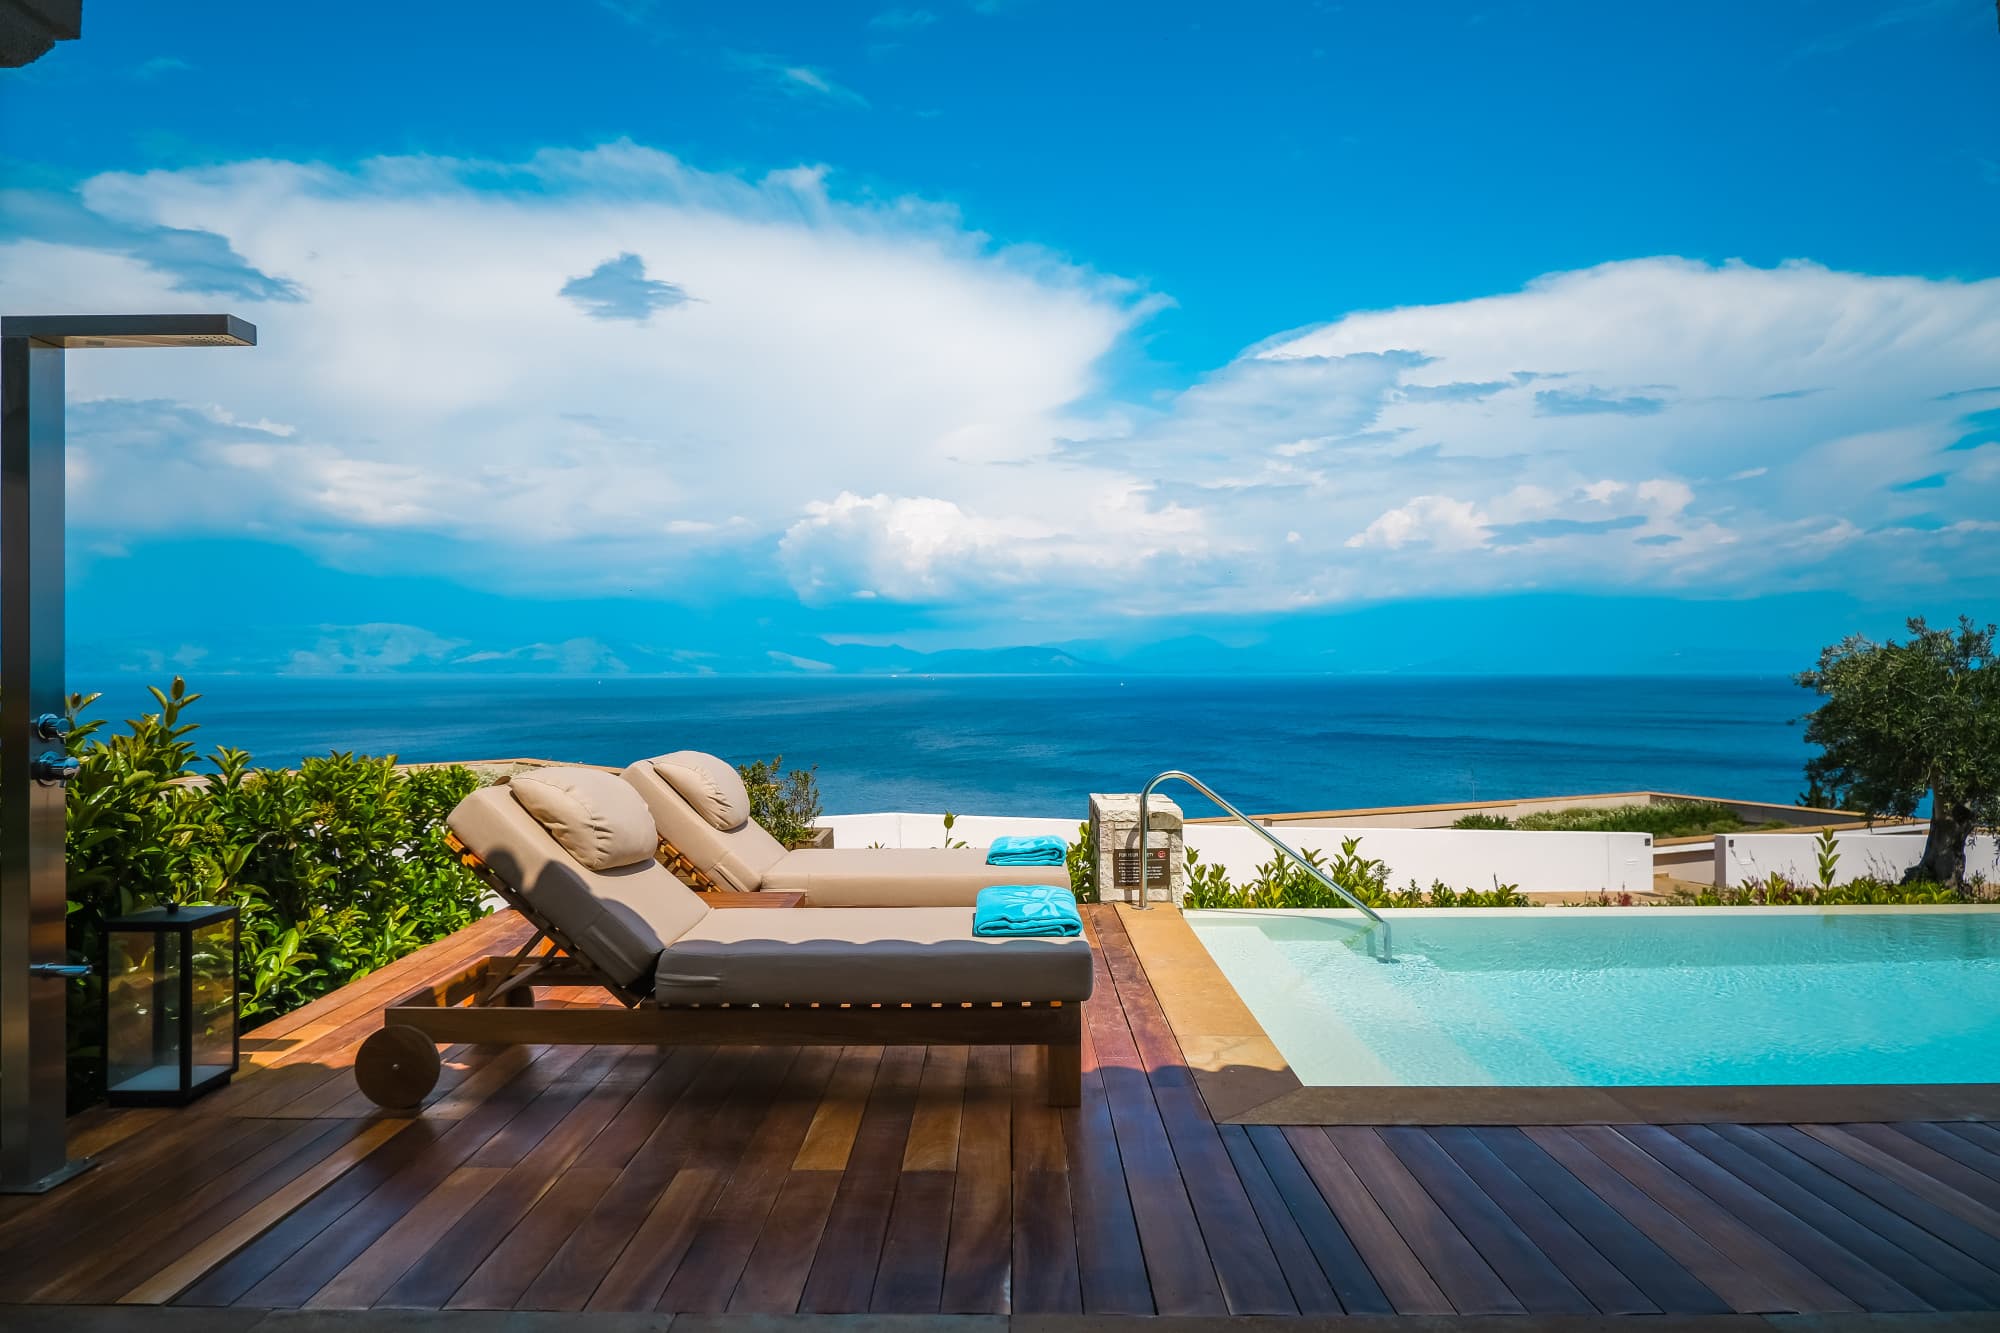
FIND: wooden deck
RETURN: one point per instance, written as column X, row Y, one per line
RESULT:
column 913, row 1180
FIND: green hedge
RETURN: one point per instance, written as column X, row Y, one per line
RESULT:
column 337, row 868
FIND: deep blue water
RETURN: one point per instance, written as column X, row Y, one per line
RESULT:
column 1037, row 745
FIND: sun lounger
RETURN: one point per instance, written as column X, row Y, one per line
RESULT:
column 703, row 815
column 573, row 850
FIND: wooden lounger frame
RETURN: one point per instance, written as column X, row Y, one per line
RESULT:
column 492, row 1001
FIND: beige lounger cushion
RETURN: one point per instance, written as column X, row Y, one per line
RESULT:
column 599, row 818
column 898, row 876
column 618, row 919
column 919, row 955
column 712, row 786
column 734, row 858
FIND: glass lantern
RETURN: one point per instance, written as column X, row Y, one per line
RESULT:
column 169, row 1004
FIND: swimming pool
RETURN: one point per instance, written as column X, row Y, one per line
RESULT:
column 1621, row 997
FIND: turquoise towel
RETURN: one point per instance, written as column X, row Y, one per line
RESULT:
column 1026, row 909
column 1047, row 850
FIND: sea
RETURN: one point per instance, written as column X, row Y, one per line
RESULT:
column 1038, row 745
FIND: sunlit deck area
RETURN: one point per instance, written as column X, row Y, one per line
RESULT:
column 936, row 1181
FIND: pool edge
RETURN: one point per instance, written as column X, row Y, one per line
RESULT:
column 1245, row 1080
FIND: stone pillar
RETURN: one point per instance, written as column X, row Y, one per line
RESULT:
column 1114, row 827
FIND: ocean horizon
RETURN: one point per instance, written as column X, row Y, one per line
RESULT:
column 1037, row 745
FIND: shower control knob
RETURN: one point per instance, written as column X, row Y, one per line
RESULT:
column 52, row 768
column 51, row 727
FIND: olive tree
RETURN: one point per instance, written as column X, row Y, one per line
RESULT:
column 1903, row 721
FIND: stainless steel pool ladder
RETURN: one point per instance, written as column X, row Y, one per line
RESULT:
column 1145, row 833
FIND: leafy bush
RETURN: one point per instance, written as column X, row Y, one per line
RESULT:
column 785, row 801
column 1777, row 890
column 1663, row 819
column 336, row 869
column 1081, row 859
column 1281, row 882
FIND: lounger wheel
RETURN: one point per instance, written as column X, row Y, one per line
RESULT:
column 520, row 997
column 397, row 1067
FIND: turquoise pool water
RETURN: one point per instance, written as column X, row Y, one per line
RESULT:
column 1623, row 997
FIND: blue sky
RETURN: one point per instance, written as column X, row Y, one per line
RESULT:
column 801, row 336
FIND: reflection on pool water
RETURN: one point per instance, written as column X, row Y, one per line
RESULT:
column 1624, row 996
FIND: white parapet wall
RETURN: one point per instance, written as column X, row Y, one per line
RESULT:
column 1885, row 853
column 921, row 830
column 1534, row 862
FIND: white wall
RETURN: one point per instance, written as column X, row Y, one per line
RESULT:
column 1463, row 858
column 1534, row 862
column 921, row 830
column 1884, row 852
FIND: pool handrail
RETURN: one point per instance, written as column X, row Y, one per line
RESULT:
column 1145, row 834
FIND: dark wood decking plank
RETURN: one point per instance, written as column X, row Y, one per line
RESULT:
column 593, row 1093
column 75, row 1236
column 1178, row 1262
column 580, row 1263
column 1846, row 1222
column 910, row 1276
column 1794, row 1282
column 830, row 1137
column 1840, row 1268
column 1973, row 1132
column 1311, row 1292
column 774, row 1279
column 344, row 1238
column 1940, row 1193
column 500, row 1280
column 113, row 1267
column 1598, row 1279
column 1253, row 1281
column 1044, row 1232
column 1656, row 1273
column 1938, row 1138
column 1529, row 1273
column 1945, row 1168
column 363, row 1281
column 843, row 1271
column 38, row 1242
column 1111, row 1268
column 638, row 1277
column 1741, row 1289
column 1458, row 1268
column 1345, row 1270
column 979, row 1254
column 722, row 1246
column 1953, row 1230
column 1408, row 1285
column 228, row 1281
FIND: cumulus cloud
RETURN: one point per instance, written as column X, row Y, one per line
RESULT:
column 872, row 403
column 438, row 385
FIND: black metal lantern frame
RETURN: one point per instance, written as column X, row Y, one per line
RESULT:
column 171, row 1029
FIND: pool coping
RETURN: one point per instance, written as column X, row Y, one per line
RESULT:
column 1245, row 1080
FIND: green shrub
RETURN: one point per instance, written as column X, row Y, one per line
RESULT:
column 1776, row 890
column 784, row 801
column 1282, row 882
column 1663, row 819
column 336, row 869
column 1081, row 858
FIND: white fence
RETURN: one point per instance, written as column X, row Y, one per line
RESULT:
column 917, row 830
column 1463, row 858
column 1534, row 862
column 1882, row 852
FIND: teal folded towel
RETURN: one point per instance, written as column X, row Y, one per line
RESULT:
column 1026, row 909
column 1046, row 850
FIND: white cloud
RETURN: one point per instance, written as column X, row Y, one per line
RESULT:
column 870, row 401
column 435, row 379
